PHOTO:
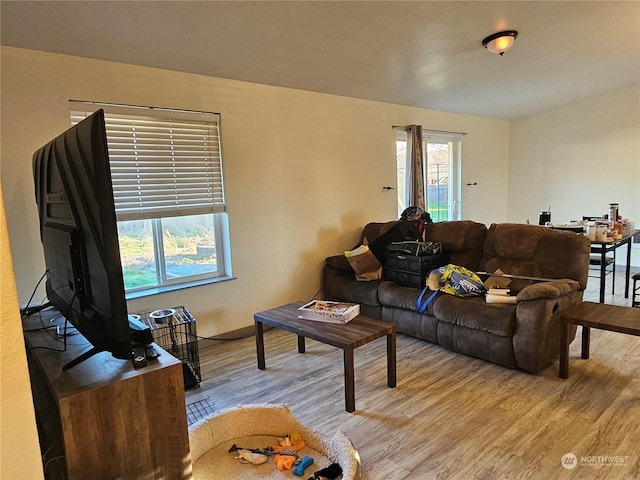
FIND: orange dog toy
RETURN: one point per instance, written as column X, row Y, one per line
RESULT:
column 286, row 455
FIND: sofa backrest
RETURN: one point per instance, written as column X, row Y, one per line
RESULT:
column 536, row 251
column 463, row 240
column 374, row 230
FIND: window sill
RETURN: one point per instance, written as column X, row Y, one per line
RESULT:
column 172, row 288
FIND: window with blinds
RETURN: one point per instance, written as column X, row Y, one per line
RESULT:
column 164, row 163
column 168, row 190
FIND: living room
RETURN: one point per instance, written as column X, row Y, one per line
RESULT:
column 304, row 171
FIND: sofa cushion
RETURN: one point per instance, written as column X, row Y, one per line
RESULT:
column 535, row 251
column 374, row 230
column 410, row 322
column 477, row 343
column 463, row 240
column 345, row 288
column 547, row 290
column 393, row 295
column 474, row 313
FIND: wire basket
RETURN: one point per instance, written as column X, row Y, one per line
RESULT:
column 199, row 409
column 174, row 329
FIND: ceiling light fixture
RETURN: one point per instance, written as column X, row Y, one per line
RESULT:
column 500, row 42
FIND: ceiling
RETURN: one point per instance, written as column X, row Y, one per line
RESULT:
column 420, row 53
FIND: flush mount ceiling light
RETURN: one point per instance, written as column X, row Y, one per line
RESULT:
column 500, row 42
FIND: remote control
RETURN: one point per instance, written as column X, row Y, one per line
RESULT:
column 151, row 352
column 139, row 357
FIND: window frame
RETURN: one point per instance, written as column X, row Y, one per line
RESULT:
column 208, row 155
column 454, row 139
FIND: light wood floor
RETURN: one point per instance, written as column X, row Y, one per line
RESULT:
column 450, row 416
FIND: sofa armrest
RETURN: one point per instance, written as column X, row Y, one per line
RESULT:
column 536, row 339
column 340, row 263
column 552, row 289
column 341, row 285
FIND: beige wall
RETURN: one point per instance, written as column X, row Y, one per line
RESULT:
column 304, row 171
column 578, row 159
column 19, row 449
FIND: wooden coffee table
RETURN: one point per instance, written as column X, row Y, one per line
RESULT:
column 594, row 315
column 359, row 331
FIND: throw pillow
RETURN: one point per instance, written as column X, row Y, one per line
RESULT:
column 364, row 263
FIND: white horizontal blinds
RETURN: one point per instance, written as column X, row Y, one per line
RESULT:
column 164, row 163
column 443, row 137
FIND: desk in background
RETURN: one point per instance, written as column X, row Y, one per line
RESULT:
column 602, row 248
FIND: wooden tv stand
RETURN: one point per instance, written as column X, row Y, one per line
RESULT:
column 103, row 418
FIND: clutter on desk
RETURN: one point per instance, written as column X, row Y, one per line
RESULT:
column 609, row 227
column 545, row 217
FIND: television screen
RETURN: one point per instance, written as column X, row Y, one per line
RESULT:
column 80, row 237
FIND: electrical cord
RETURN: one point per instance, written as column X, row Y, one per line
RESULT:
column 26, row 311
column 52, row 325
column 52, row 459
column 47, row 329
column 218, row 338
column 226, row 338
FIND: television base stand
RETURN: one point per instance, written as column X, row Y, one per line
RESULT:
column 85, row 356
column 28, row 311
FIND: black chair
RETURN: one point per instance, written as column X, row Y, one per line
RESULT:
column 609, row 268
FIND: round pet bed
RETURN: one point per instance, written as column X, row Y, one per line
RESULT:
column 258, row 426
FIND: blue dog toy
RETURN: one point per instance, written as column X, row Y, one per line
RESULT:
column 299, row 469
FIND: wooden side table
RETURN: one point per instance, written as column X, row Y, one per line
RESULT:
column 594, row 315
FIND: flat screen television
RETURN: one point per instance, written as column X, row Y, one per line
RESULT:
column 80, row 237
